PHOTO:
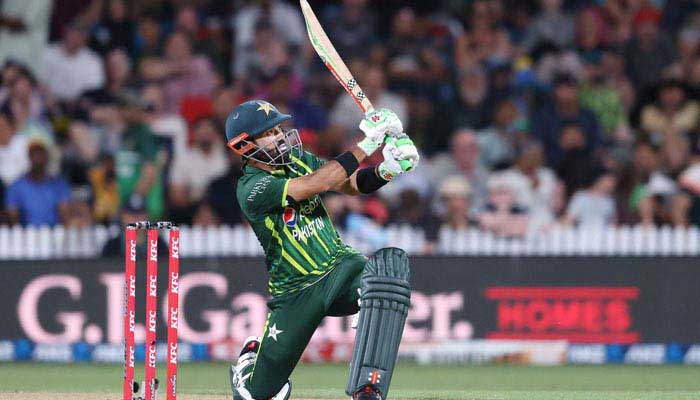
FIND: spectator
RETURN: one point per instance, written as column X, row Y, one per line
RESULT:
column 257, row 62
column 69, row 68
column 672, row 115
column 205, row 216
column 551, row 25
column 661, row 200
column 455, row 195
column 498, row 142
column 103, row 181
column 148, row 40
column 20, row 94
column 78, row 213
column 650, row 51
column 463, row 159
column 415, row 63
column 276, row 17
column 193, row 170
column 118, row 74
column 115, row 29
column 183, row 73
column 24, row 30
column 594, row 206
column 688, row 201
column 137, row 166
column 469, row 109
column 565, row 109
column 503, row 214
column 278, row 91
column 575, row 157
column 14, row 160
column 413, row 210
column 225, row 99
column 222, row 189
column 591, row 35
column 536, row 186
column 169, row 126
column 38, row 199
column 604, row 100
column 22, row 100
column 351, row 26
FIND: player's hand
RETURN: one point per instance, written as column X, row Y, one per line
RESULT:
column 376, row 126
column 400, row 155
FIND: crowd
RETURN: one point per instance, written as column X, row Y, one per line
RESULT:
column 528, row 113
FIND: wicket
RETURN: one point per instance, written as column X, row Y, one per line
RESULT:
column 150, row 382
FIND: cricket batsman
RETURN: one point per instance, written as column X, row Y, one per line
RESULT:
column 312, row 273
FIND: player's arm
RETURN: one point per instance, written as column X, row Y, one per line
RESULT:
column 370, row 179
column 334, row 173
column 329, row 176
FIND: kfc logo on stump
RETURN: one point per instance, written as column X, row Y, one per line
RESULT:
column 289, row 216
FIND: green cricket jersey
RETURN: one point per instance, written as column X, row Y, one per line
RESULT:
column 300, row 243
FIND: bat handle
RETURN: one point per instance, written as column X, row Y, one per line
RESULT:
column 405, row 164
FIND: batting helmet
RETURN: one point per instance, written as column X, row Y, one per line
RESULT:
column 248, row 121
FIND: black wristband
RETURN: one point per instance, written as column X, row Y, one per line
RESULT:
column 349, row 162
column 368, row 181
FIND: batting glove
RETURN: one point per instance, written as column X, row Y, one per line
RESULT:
column 400, row 155
column 376, row 126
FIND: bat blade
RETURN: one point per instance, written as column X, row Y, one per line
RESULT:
column 330, row 57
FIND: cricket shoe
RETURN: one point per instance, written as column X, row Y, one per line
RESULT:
column 238, row 378
column 367, row 393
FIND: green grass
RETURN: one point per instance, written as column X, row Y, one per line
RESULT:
column 410, row 381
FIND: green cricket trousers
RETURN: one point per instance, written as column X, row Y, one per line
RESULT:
column 293, row 319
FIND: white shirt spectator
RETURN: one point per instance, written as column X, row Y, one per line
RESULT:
column 67, row 76
column 14, row 161
column 174, row 127
column 195, row 170
column 538, row 200
column 590, row 209
column 27, row 45
column 284, row 18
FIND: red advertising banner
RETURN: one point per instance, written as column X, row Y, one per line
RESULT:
column 583, row 314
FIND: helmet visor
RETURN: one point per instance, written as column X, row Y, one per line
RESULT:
column 277, row 151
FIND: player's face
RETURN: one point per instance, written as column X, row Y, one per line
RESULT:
column 268, row 139
column 275, row 146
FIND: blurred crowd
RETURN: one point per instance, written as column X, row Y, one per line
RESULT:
column 528, row 113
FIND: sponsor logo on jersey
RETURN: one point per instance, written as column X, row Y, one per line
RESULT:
column 289, row 216
column 309, row 206
column 259, row 187
column 304, row 232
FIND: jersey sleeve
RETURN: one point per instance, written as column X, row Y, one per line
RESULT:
column 262, row 194
column 312, row 161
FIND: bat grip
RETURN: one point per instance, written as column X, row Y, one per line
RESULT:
column 405, row 164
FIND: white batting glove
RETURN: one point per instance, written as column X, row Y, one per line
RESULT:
column 400, row 155
column 406, row 151
column 376, row 126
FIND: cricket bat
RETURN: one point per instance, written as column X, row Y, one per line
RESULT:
column 330, row 57
column 324, row 48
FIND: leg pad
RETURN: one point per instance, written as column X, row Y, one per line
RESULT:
column 384, row 302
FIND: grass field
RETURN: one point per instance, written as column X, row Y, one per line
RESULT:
column 210, row 382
